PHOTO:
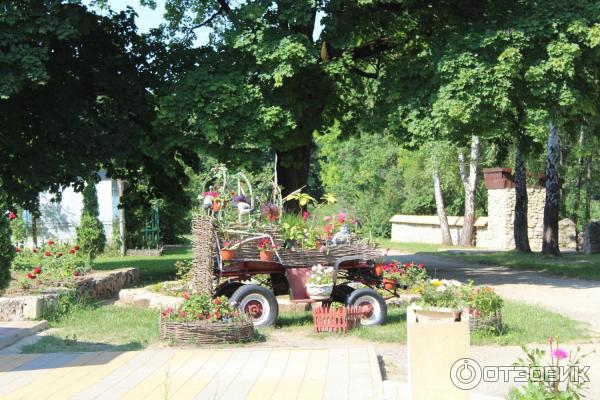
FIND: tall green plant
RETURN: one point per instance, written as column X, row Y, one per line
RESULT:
column 90, row 233
column 7, row 250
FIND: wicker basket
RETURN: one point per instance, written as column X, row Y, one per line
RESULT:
column 492, row 322
column 206, row 332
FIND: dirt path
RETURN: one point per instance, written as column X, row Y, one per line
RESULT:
column 576, row 298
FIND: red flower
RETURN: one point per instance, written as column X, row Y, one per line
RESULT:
column 167, row 311
column 76, row 248
column 47, row 254
column 50, row 242
column 31, row 276
column 72, row 251
column 216, row 301
column 76, row 273
column 328, row 228
column 186, row 296
column 38, row 270
column 421, row 266
column 305, row 215
column 182, row 314
column 11, row 215
column 217, row 315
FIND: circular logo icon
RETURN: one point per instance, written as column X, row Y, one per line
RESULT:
column 465, row 373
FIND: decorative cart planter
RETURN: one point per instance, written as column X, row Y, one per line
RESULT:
column 227, row 255
column 266, row 255
column 437, row 314
column 319, row 292
column 492, row 322
column 328, row 319
column 205, row 332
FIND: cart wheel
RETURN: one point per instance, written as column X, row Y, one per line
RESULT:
column 258, row 302
column 371, row 303
column 341, row 293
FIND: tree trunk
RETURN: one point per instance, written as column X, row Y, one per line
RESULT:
column 292, row 172
column 578, row 184
column 122, row 226
column 521, row 204
column 588, row 189
column 552, row 205
column 470, row 185
column 441, row 211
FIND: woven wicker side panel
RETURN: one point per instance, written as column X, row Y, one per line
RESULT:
column 203, row 245
column 202, row 332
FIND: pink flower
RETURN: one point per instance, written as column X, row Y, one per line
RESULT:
column 328, row 228
column 327, row 218
column 341, row 217
column 353, row 221
column 322, row 249
column 186, row 296
column 421, row 266
column 305, row 215
column 559, row 354
column 12, row 215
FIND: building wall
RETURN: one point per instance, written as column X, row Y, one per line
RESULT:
column 416, row 233
column 59, row 220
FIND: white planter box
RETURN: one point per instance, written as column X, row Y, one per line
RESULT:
column 319, row 292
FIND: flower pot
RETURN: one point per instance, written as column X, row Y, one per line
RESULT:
column 227, row 255
column 378, row 270
column 437, row 314
column 319, row 292
column 216, row 206
column 266, row 255
column 390, row 284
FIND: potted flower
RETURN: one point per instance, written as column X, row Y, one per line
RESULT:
column 228, row 250
column 485, row 309
column 392, row 274
column 320, row 282
column 266, row 249
column 441, row 301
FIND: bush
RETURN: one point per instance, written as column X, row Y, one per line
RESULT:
column 90, row 236
column 7, row 250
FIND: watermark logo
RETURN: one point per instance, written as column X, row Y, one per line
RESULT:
column 466, row 373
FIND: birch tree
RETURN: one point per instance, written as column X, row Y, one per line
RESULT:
column 470, row 185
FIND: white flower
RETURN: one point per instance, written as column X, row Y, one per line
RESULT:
column 314, row 268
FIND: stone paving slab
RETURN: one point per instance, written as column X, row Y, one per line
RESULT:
column 13, row 331
column 234, row 373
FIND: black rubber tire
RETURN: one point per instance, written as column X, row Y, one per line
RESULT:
column 228, row 289
column 261, row 294
column 379, row 307
column 341, row 293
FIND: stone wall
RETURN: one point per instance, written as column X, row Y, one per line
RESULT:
column 501, row 215
column 591, row 242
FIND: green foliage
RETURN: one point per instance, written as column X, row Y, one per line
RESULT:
column 66, row 303
column 90, row 200
column 18, row 228
column 90, row 236
column 7, row 250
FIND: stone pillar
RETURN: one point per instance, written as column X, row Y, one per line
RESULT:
column 591, row 243
column 203, row 243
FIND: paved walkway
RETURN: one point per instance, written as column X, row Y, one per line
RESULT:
column 576, row 298
column 238, row 373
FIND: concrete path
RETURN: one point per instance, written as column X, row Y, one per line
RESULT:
column 238, row 373
column 576, row 298
column 13, row 331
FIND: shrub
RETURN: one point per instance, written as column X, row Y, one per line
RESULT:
column 90, row 236
column 66, row 303
column 18, row 228
column 7, row 250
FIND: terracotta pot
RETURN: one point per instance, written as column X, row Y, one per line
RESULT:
column 227, row 255
column 266, row 255
column 390, row 284
column 378, row 270
column 216, row 206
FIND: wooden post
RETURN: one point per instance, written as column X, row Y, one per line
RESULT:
column 203, row 242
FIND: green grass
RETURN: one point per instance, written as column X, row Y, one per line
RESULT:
column 523, row 324
column 106, row 328
column 152, row 269
column 568, row 264
column 385, row 243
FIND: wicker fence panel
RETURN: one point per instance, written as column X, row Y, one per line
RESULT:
column 203, row 245
column 328, row 319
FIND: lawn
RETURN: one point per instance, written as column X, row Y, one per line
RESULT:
column 109, row 328
column 100, row 328
column 568, row 264
column 152, row 269
column 524, row 324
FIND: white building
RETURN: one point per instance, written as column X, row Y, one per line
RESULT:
column 60, row 219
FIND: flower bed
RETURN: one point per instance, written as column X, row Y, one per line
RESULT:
column 202, row 320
